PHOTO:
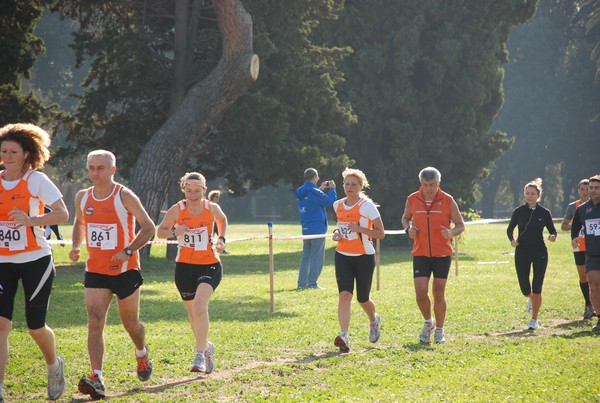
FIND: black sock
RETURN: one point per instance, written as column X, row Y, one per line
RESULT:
column 585, row 290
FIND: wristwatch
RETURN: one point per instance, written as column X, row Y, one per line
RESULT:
column 128, row 251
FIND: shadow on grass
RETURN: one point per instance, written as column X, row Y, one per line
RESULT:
column 151, row 389
column 159, row 388
column 517, row 333
column 583, row 327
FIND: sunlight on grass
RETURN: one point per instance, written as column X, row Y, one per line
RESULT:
column 288, row 355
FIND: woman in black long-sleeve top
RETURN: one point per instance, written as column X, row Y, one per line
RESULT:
column 530, row 249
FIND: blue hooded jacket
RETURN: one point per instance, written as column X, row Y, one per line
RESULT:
column 312, row 204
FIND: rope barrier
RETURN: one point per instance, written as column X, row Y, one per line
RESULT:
column 272, row 238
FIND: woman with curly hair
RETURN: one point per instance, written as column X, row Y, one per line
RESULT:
column 24, row 252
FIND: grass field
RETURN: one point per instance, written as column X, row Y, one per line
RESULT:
column 289, row 355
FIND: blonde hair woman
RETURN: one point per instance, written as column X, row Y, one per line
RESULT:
column 358, row 222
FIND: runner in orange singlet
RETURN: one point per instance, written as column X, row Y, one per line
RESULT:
column 358, row 222
column 427, row 217
column 198, row 268
column 24, row 253
column 106, row 216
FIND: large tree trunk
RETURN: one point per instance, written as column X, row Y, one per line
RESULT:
column 489, row 189
column 201, row 109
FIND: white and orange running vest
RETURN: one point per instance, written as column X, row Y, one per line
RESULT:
column 109, row 229
column 14, row 238
column 196, row 245
column 352, row 243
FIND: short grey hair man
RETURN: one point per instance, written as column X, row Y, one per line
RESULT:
column 112, row 160
column 430, row 173
column 310, row 173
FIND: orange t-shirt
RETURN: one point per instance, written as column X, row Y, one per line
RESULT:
column 109, row 229
column 196, row 245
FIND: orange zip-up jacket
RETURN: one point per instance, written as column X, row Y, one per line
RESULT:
column 429, row 218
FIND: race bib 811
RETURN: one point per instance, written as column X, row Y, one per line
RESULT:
column 196, row 238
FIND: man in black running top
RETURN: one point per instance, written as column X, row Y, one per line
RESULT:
column 588, row 216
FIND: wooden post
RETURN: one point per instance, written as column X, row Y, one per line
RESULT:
column 378, row 259
column 456, row 255
column 271, row 266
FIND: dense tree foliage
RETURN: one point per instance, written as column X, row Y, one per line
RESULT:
column 590, row 11
column 19, row 48
column 287, row 120
column 425, row 83
column 551, row 108
column 421, row 80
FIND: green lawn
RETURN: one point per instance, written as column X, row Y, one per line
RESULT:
column 289, row 355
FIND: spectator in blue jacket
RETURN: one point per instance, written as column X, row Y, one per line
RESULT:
column 312, row 203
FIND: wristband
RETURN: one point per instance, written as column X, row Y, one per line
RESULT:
column 222, row 238
column 173, row 231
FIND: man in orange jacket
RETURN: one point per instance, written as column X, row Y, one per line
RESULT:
column 427, row 218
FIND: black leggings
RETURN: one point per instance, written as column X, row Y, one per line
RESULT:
column 359, row 268
column 37, row 278
column 524, row 258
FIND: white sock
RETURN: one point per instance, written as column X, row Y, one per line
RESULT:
column 140, row 353
column 430, row 321
column 53, row 367
column 345, row 333
column 439, row 328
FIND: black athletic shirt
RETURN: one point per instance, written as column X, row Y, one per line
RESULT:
column 531, row 223
column 587, row 211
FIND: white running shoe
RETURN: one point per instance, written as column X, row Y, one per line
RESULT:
column 425, row 335
column 343, row 342
column 529, row 306
column 438, row 336
column 56, row 381
column 533, row 324
column 209, row 357
column 199, row 364
column 375, row 331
